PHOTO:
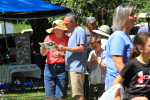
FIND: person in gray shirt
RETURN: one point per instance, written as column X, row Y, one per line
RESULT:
column 96, row 56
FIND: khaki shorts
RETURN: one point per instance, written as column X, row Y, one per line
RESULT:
column 76, row 81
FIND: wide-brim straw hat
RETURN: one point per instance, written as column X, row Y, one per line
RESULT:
column 103, row 30
column 57, row 24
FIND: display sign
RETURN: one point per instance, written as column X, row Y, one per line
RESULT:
column 23, row 49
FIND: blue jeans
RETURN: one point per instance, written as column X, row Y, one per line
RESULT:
column 109, row 81
column 55, row 80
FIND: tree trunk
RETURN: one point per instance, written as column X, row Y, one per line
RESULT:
column 39, row 27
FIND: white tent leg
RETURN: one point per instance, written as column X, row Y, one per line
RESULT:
column 5, row 34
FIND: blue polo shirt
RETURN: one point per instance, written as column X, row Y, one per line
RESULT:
column 76, row 62
column 119, row 43
column 145, row 29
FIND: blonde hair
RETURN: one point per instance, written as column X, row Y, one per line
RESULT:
column 121, row 15
column 95, row 39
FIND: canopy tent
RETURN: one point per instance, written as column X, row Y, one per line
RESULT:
column 29, row 9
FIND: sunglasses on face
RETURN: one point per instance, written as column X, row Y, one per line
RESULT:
column 122, row 6
column 125, row 5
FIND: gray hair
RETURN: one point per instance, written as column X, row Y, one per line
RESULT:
column 142, row 25
column 121, row 15
column 71, row 16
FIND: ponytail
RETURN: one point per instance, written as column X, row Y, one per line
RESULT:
column 134, row 53
column 139, row 40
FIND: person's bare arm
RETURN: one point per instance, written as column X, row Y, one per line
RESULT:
column 102, row 66
column 79, row 48
column 118, row 61
column 119, row 79
column 43, row 51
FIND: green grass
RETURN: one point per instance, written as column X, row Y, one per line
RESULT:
column 17, row 28
column 29, row 94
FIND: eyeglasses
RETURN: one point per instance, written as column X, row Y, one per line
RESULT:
column 68, row 23
column 132, row 14
column 93, row 23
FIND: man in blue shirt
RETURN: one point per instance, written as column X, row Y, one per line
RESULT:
column 75, row 57
column 143, row 28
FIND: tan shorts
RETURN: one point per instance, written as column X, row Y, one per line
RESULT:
column 76, row 81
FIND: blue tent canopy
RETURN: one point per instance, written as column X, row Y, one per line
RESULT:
column 29, row 9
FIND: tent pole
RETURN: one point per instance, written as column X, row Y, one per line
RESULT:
column 148, row 27
column 148, row 20
column 5, row 34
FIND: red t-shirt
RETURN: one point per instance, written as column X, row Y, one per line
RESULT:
column 64, row 41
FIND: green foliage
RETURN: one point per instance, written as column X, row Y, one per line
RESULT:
column 145, row 9
column 19, row 26
column 102, row 9
column 140, row 6
column 82, row 8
